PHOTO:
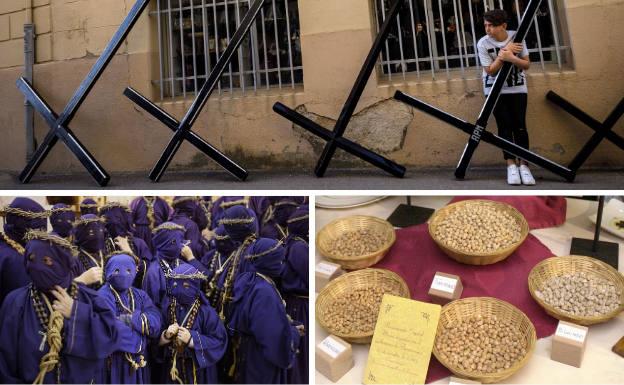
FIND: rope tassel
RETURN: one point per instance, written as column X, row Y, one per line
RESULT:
column 174, row 368
column 51, row 359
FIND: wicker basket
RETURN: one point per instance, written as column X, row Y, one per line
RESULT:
column 357, row 279
column 336, row 228
column 477, row 258
column 557, row 266
column 486, row 307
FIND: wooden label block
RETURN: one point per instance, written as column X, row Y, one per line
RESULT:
column 568, row 343
column 325, row 272
column 334, row 357
column 445, row 288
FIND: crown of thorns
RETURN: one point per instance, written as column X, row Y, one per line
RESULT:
column 229, row 204
column 262, row 254
column 55, row 239
column 183, row 199
column 197, row 275
column 86, row 221
column 168, row 226
column 236, row 221
column 112, row 205
column 7, row 210
column 60, row 210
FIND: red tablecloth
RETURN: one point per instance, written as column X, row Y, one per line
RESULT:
column 540, row 212
column 416, row 258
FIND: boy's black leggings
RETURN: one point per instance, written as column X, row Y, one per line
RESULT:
column 510, row 114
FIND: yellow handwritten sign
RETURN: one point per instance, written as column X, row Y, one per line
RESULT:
column 403, row 341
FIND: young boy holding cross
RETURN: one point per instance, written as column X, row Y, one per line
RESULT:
column 496, row 48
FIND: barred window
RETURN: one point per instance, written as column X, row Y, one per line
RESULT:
column 192, row 35
column 435, row 36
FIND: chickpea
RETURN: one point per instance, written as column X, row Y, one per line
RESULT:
column 478, row 340
column 358, row 242
column 478, row 229
column 356, row 311
column 581, row 294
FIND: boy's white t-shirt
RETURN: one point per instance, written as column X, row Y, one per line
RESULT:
column 488, row 49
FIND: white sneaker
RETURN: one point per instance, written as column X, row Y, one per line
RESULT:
column 513, row 175
column 526, row 176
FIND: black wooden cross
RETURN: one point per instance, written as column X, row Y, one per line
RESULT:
column 182, row 130
column 335, row 138
column 602, row 130
column 59, row 124
column 478, row 130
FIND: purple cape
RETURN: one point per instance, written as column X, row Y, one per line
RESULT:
column 89, row 336
column 120, row 371
column 209, row 344
column 268, row 341
column 295, row 288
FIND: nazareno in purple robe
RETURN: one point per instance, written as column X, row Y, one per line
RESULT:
column 222, row 247
column 62, row 218
column 119, row 224
column 196, row 364
column 294, row 286
column 88, row 206
column 89, row 237
column 190, row 214
column 265, row 339
column 147, row 214
column 259, row 205
column 21, row 215
column 223, row 203
column 89, row 337
column 168, row 240
column 241, row 225
column 136, row 315
column 274, row 225
column 89, row 334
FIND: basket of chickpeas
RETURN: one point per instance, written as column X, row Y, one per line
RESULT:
column 483, row 339
column 349, row 305
column 355, row 242
column 577, row 289
column 478, row 232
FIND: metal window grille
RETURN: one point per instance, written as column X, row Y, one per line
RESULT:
column 192, row 34
column 437, row 36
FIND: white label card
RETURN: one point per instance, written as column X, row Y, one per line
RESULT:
column 326, row 268
column 444, row 284
column 571, row 333
column 331, row 347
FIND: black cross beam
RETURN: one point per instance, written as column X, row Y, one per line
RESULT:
column 478, row 131
column 59, row 124
column 335, row 138
column 602, row 130
column 182, row 129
